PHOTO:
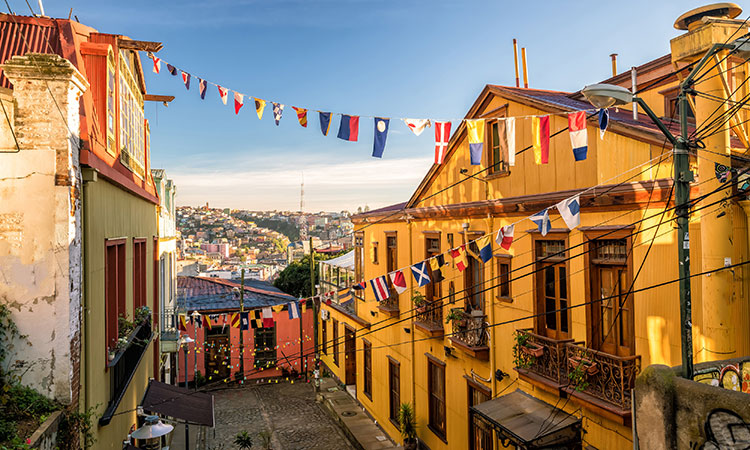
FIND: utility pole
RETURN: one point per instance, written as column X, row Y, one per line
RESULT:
column 242, row 310
column 315, row 307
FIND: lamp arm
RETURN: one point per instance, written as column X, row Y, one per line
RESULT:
column 709, row 54
column 654, row 118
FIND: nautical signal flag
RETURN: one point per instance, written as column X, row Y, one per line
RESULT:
column 186, row 80
column 325, row 122
column 239, row 100
column 267, row 317
column 277, row 308
column 485, row 247
column 540, row 139
column 157, row 65
column 349, row 128
column 505, row 236
column 398, row 281
column 172, row 69
column 417, row 126
column 510, row 139
column 603, row 122
column 442, row 136
column 206, row 322
column 260, row 105
column 235, row 320
column 182, row 323
column 278, row 110
column 381, row 133
column 223, row 93
column 436, row 265
column 379, row 287
column 570, row 210
column 578, row 134
column 244, row 321
column 541, row 219
column 421, row 275
column 301, row 115
column 475, row 129
column 202, row 85
column 359, row 286
column 256, row 321
column 293, row 310
column 459, row 257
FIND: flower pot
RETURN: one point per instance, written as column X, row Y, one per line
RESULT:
column 532, row 349
column 422, row 309
column 589, row 367
column 410, row 444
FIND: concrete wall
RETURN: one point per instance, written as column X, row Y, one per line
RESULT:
column 676, row 413
column 40, row 220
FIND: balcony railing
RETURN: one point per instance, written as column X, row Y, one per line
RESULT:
column 429, row 318
column 543, row 356
column 168, row 325
column 124, row 365
column 389, row 305
column 606, row 377
column 470, row 335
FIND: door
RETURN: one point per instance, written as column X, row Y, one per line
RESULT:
column 350, row 356
column 216, row 355
column 480, row 432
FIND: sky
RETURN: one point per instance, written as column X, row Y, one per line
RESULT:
column 388, row 58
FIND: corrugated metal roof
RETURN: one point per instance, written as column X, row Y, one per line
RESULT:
column 212, row 294
column 18, row 38
column 345, row 261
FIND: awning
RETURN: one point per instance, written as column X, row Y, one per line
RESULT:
column 529, row 422
column 345, row 261
column 196, row 408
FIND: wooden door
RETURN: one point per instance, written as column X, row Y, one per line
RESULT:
column 480, row 432
column 216, row 357
column 350, row 356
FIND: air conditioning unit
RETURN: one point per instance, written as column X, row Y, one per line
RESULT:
column 324, row 314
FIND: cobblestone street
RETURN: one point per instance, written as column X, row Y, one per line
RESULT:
column 287, row 410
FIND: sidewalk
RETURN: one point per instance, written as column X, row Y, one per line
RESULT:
column 356, row 423
column 178, row 440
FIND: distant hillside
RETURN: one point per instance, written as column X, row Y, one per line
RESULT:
column 284, row 227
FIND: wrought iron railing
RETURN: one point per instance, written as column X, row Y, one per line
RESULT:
column 391, row 303
column 168, row 325
column 124, row 365
column 607, row 377
column 543, row 356
column 472, row 330
column 431, row 313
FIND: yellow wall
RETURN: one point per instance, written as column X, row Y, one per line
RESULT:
column 109, row 213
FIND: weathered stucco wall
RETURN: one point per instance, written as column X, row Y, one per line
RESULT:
column 40, row 221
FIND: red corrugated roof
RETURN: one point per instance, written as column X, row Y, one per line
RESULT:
column 19, row 38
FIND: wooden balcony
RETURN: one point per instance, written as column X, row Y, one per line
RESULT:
column 429, row 319
column 548, row 365
column 605, row 380
column 470, row 336
column 389, row 306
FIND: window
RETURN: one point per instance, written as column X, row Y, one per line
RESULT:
column 374, row 252
column 391, row 260
column 111, row 89
column 114, row 288
column 612, row 317
column 139, row 273
column 265, row 347
column 552, row 289
column 672, row 105
column 359, row 257
column 480, row 432
column 132, row 144
column 498, row 147
column 474, row 277
column 335, row 341
column 367, row 356
column 503, row 277
column 433, row 291
column 436, row 389
column 324, row 327
column 394, row 388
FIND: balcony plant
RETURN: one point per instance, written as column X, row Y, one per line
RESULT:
column 525, row 353
column 420, row 302
column 408, row 426
column 142, row 314
column 577, row 378
column 458, row 317
column 587, row 365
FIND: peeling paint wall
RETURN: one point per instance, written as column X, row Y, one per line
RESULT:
column 40, row 220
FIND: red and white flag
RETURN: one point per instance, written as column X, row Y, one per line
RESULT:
column 267, row 317
column 223, row 92
column 505, row 237
column 398, row 280
column 186, row 80
column 417, row 126
column 379, row 287
column 239, row 100
column 157, row 65
column 442, row 135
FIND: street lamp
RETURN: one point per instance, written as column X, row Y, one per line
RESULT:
column 185, row 340
column 150, row 433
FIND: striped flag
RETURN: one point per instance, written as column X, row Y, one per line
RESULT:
column 475, row 130
column 349, row 128
column 442, row 135
column 186, row 80
column 293, row 310
column 239, row 101
column 278, row 110
column 505, row 236
column 301, row 115
column 267, row 317
column 379, row 287
column 235, row 320
column 485, row 248
column 182, row 323
column 202, row 84
column 157, row 65
column 398, row 281
column 578, row 134
column 223, row 93
column 540, row 139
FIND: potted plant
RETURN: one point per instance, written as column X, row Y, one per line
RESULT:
column 408, row 426
column 577, row 377
column 420, row 302
column 587, row 365
column 523, row 358
column 124, row 326
column 243, row 441
column 142, row 314
column 457, row 316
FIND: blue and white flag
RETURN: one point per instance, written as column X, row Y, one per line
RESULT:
column 381, row 133
column 603, row 122
column 278, row 109
column 293, row 310
column 421, row 274
column 570, row 210
column 541, row 219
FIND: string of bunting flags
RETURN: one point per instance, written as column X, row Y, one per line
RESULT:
column 349, row 124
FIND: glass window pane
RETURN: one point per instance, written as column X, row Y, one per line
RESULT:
column 550, row 316
column 563, row 282
column 549, row 281
column 563, row 316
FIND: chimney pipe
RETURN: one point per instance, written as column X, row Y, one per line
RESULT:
column 633, row 89
column 614, row 64
column 41, row 8
column 525, row 70
column 515, row 60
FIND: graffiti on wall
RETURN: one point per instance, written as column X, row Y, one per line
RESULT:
column 726, row 430
column 734, row 376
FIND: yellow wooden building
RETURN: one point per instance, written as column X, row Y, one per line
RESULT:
column 549, row 336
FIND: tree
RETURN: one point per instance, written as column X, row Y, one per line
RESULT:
column 295, row 279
